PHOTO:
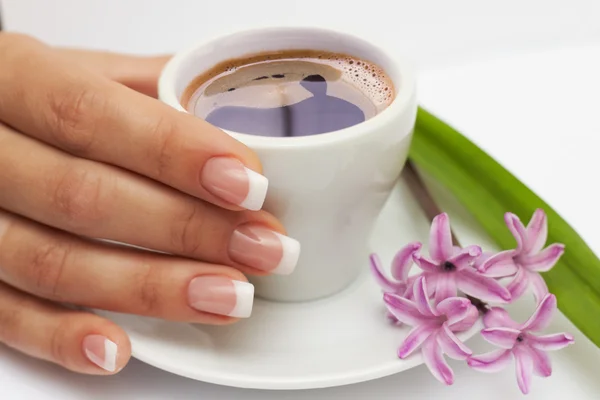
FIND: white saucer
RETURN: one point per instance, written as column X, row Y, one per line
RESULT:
column 336, row 341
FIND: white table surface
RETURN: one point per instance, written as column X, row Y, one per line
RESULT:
column 520, row 78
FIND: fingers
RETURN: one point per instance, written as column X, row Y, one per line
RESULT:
column 96, row 200
column 78, row 341
column 138, row 73
column 90, row 116
column 60, row 267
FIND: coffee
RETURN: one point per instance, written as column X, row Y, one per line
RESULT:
column 289, row 93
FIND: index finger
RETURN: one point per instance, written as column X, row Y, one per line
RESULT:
column 90, row 116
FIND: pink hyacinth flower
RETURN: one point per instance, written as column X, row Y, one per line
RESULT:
column 528, row 259
column 433, row 328
column 450, row 268
column 518, row 341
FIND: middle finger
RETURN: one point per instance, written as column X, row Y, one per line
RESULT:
column 101, row 201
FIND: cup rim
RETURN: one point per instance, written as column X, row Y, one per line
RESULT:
column 400, row 104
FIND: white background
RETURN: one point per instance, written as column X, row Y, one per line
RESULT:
column 434, row 33
column 520, row 77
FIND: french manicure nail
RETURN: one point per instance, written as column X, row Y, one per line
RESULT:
column 228, row 179
column 221, row 295
column 101, row 351
column 264, row 249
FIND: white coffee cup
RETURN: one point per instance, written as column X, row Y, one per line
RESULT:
column 327, row 189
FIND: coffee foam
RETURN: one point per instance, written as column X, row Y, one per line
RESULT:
column 368, row 78
column 225, row 78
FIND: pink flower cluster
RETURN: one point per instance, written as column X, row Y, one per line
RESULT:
column 430, row 301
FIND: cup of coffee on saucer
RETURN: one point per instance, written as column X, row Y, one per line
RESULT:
column 330, row 116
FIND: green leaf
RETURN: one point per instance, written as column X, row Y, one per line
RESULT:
column 487, row 190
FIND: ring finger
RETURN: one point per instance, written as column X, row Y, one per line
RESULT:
column 61, row 267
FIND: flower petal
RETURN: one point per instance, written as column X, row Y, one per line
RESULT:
column 498, row 317
column 454, row 308
column 519, row 284
column 499, row 265
column 434, row 359
column 555, row 341
column 465, row 257
column 440, row 238
column 451, row 345
column 403, row 260
column 430, row 283
column 544, row 260
column 425, row 264
column 494, row 361
column 501, row 337
column 421, row 298
column 445, row 287
column 538, row 286
column 386, row 284
column 517, row 229
column 415, row 339
column 502, row 270
column 542, row 315
column 541, row 362
column 482, row 287
column 404, row 310
column 486, row 255
column 524, row 369
column 467, row 322
column 408, row 293
column 537, row 232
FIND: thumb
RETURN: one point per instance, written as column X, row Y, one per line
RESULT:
column 139, row 73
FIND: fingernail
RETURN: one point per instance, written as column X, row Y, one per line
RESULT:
column 221, row 295
column 101, row 351
column 264, row 249
column 228, row 179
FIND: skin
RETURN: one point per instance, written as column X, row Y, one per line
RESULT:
column 86, row 151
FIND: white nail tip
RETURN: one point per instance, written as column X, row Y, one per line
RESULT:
column 257, row 191
column 110, row 355
column 244, row 293
column 109, row 362
column 291, row 253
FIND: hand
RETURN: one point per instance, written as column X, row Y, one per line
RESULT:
column 86, row 163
